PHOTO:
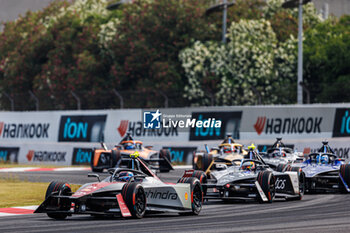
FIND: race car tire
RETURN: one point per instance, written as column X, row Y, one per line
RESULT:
column 196, row 195
column 202, row 177
column 194, row 161
column 115, row 157
column 266, row 181
column 163, row 153
column 135, row 199
column 288, row 168
column 207, row 159
column 93, row 168
column 99, row 170
column 63, row 189
column 345, row 173
column 280, row 167
column 301, row 178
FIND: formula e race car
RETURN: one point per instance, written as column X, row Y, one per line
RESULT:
column 131, row 191
column 227, row 151
column 104, row 158
column 251, row 178
column 279, row 154
column 324, row 171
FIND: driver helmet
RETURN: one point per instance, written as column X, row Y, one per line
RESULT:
column 227, row 149
column 318, row 158
column 248, row 165
column 129, row 146
column 125, row 176
column 324, row 159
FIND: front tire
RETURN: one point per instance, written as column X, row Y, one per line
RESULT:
column 344, row 171
column 135, row 198
column 62, row 189
column 266, row 181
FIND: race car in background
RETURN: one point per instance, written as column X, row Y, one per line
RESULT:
column 218, row 157
column 104, row 159
column 132, row 190
column 324, row 171
column 279, row 154
column 251, row 178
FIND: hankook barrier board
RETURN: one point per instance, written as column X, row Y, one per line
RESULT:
column 66, row 137
column 81, row 153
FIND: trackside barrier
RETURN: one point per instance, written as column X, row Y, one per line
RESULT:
column 68, row 137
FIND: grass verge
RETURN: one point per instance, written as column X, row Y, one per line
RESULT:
column 14, row 192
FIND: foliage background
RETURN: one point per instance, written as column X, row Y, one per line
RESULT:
column 149, row 49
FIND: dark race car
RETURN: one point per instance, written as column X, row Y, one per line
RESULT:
column 132, row 190
column 251, row 178
column 324, row 171
column 225, row 153
column 280, row 154
column 104, row 158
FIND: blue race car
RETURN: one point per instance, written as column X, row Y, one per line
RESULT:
column 324, row 171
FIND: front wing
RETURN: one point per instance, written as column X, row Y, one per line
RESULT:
column 286, row 186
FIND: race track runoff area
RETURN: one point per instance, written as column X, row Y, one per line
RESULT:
column 315, row 213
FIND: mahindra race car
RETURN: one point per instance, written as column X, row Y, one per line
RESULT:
column 252, row 179
column 279, row 154
column 227, row 152
column 324, row 171
column 104, row 158
column 132, row 190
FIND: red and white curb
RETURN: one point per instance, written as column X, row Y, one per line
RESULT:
column 38, row 169
column 14, row 211
column 64, row 169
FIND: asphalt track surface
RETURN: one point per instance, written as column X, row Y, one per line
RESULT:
column 315, row 213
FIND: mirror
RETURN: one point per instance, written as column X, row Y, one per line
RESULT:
column 95, row 175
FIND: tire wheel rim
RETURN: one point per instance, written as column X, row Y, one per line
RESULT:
column 140, row 202
column 272, row 187
column 197, row 198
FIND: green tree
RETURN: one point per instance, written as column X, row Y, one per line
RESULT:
column 327, row 61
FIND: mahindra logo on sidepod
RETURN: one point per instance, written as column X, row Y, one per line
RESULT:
column 260, row 124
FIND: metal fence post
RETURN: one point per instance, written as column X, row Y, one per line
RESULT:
column 258, row 94
column 36, row 100
column 166, row 99
column 11, row 101
column 76, row 97
column 121, row 100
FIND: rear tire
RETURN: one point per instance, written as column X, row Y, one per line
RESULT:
column 207, row 159
column 301, row 177
column 194, row 161
column 345, row 173
column 135, row 198
column 267, row 182
column 165, row 154
column 93, row 168
column 196, row 195
column 280, row 167
column 200, row 175
column 115, row 157
column 62, row 189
